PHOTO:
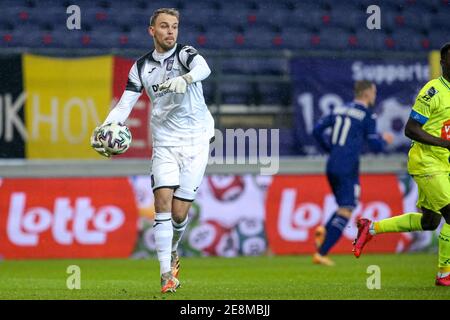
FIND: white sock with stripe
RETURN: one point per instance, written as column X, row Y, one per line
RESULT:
column 178, row 231
column 163, row 239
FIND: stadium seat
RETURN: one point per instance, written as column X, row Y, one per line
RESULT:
column 370, row 39
column 303, row 16
column 416, row 19
column 259, row 37
column 347, row 16
column 438, row 37
column 295, row 37
column 273, row 93
column 404, row 40
column 333, row 38
column 254, row 66
column 220, row 37
column 237, row 92
column 440, row 20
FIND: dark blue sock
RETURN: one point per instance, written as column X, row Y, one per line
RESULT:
column 334, row 227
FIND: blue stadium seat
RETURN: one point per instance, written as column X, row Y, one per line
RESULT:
column 416, row 19
column 294, row 37
column 259, row 37
column 440, row 20
column 10, row 39
column 303, row 16
column 347, row 16
column 407, row 39
column 438, row 37
column 254, row 66
column 237, row 92
column 333, row 38
column 370, row 39
column 273, row 93
column 220, row 37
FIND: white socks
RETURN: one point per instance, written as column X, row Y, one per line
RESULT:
column 163, row 238
column 178, row 230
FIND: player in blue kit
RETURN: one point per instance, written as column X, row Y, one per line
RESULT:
column 351, row 126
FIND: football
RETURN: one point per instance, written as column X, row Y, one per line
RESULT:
column 115, row 138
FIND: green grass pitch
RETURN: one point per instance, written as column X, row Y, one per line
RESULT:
column 403, row 276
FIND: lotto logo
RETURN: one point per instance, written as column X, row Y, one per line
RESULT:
column 62, row 218
column 296, row 205
column 25, row 225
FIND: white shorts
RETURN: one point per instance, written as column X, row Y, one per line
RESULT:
column 179, row 168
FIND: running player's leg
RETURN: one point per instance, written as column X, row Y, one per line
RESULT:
column 443, row 277
column 165, row 179
column 194, row 161
column 434, row 197
column 346, row 191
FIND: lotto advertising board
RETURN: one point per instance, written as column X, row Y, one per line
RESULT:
column 233, row 215
column 67, row 218
column 258, row 215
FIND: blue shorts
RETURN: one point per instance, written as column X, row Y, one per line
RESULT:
column 345, row 188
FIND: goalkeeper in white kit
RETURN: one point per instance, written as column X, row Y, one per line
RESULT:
column 182, row 129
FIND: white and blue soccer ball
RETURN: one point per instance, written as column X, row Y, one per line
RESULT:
column 115, row 138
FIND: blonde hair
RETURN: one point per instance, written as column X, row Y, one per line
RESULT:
column 172, row 11
column 361, row 86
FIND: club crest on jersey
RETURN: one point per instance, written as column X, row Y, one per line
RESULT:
column 169, row 65
column 430, row 93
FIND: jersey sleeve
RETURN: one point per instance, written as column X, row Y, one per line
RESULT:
column 130, row 96
column 424, row 104
column 319, row 129
column 187, row 55
column 134, row 82
column 195, row 63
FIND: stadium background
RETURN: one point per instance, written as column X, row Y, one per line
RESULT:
column 276, row 64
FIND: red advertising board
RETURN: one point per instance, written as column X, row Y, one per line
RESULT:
column 67, row 218
column 296, row 205
column 139, row 119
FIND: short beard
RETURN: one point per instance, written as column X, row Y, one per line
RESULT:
column 166, row 48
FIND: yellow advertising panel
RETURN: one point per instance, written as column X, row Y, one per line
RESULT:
column 435, row 67
column 65, row 100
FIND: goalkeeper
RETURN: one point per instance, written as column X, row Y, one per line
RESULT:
column 182, row 128
column 428, row 163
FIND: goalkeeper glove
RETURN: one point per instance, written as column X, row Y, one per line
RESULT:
column 177, row 84
column 97, row 145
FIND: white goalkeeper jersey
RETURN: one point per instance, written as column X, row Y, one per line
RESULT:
column 176, row 119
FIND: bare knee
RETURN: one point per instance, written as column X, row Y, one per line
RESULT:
column 163, row 200
column 180, row 210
